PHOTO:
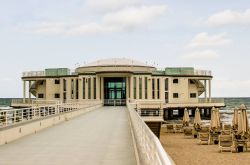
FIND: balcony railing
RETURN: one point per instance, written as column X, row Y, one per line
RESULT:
column 34, row 74
column 202, row 72
column 212, row 100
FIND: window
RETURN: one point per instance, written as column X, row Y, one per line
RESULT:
column 41, row 83
column 40, row 95
column 175, row 81
column 64, row 96
column 153, row 88
column 77, row 89
column 166, row 84
column 175, row 95
column 191, row 82
column 134, row 85
column 83, row 88
column 158, row 88
column 72, row 89
column 140, row 88
column 146, row 88
column 64, row 85
column 89, row 88
column 94, row 88
column 57, row 95
column 192, row 95
column 57, row 81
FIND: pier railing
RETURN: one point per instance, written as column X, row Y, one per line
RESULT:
column 148, row 146
column 16, row 116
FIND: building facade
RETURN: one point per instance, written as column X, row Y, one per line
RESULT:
column 118, row 80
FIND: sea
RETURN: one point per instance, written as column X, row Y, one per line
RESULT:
column 225, row 112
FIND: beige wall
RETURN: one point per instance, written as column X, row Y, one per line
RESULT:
column 183, row 88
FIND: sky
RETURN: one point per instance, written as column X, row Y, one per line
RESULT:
column 210, row 34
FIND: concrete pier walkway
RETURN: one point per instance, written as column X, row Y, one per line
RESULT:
column 100, row 137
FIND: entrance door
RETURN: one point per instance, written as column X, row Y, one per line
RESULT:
column 114, row 91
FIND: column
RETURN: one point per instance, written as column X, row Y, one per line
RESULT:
column 29, row 90
column 150, row 88
column 24, row 91
column 137, row 87
column 87, row 88
column 127, row 88
column 102, row 88
column 205, row 85
column 162, row 89
column 97, row 87
column 209, row 94
column 156, row 85
column 80, row 90
column 92, row 88
column 68, row 88
column 143, row 87
column 61, row 89
column 131, row 87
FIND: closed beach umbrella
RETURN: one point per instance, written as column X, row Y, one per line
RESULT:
column 235, row 118
column 218, row 117
column 243, row 120
column 240, row 122
column 197, row 118
column 186, row 118
column 215, row 119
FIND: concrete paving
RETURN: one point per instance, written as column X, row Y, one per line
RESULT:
column 100, row 137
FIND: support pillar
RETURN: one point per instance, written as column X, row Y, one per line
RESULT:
column 150, row 88
column 209, row 94
column 24, row 91
column 131, row 88
column 102, row 88
column 205, row 93
column 127, row 88
column 137, row 87
column 29, row 90
column 97, row 87
column 143, row 87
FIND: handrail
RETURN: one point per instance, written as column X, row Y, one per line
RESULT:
column 148, row 145
column 16, row 116
column 34, row 74
column 212, row 100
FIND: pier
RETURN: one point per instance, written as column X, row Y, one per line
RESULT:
column 98, row 135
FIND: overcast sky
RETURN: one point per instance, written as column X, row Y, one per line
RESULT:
column 205, row 34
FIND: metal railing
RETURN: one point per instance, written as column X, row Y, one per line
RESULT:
column 22, row 101
column 150, row 112
column 16, row 116
column 149, row 148
column 115, row 102
column 203, row 72
column 34, row 74
column 212, row 100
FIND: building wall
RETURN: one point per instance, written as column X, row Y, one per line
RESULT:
column 136, row 90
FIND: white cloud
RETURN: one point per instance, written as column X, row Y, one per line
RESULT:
column 204, row 39
column 122, row 20
column 134, row 16
column 229, row 17
column 109, row 5
column 201, row 55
